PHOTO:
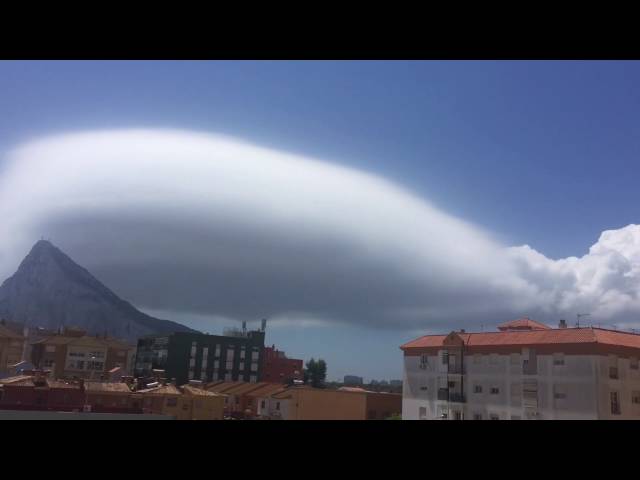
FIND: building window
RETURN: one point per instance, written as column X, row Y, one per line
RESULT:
column 253, row 379
column 477, row 389
column 613, row 373
column 242, row 352
column 423, row 388
column 217, row 354
column 422, row 413
column 229, row 365
column 191, row 374
column 277, row 405
column 172, row 402
column 424, row 361
column 495, row 390
column 615, row 403
column 254, row 367
column 558, row 359
column 48, row 363
column 262, row 404
column 216, row 364
column 635, row 397
column 445, row 358
column 237, row 400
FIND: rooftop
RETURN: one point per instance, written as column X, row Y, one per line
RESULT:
column 548, row 336
column 104, row 387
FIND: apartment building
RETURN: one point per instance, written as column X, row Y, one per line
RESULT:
column 278, row 368
column 186, row 356
column 306, row 403
column 11, row 349
column 75, row 354
column 524, row 371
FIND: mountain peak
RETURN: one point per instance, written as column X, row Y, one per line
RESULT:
column 50, row 290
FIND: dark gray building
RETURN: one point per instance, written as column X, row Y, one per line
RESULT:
column 184, row 356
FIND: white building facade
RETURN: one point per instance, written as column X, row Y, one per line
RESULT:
column 526, row 371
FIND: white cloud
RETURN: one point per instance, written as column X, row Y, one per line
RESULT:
column 187, row 222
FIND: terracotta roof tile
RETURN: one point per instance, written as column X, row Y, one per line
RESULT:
column 105, row 387
column 534, row 337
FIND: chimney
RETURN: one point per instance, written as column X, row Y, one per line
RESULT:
column 562, row 324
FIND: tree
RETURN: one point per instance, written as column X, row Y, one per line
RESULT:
column 315, row 373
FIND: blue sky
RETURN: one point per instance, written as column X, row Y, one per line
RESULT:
column 538, row 153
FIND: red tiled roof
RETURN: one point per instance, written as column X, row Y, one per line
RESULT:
column 534, row 337
column 523, row 324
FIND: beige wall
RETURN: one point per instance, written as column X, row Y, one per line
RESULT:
column 320, row 404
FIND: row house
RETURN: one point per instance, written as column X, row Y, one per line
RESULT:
column 525, row 370
column 242, row 397
column 182, row 403
column 306, row 403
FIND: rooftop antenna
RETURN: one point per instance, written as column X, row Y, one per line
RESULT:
column 580, row 315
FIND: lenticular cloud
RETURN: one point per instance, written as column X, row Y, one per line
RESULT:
column 209, row 225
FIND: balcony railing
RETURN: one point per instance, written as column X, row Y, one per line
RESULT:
column 446, row 395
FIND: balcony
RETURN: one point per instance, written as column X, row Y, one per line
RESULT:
column 457, row 397
column 456, row 369
column 446, row 395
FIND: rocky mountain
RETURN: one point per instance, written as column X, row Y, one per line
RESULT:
column 50, row 290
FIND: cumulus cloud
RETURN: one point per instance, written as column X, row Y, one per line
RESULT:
column 207, row 225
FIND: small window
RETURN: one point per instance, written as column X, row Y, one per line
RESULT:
column 495, row 390
column 559, row 395
column 635, row 397
column 558, row 359
column 424, row 361
column 262, row 404
column 422, row 413
column 278, row 406
column 477, row 389
column 423, row 388
column 445, row 358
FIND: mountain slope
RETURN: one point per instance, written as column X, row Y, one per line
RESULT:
column 51, row 290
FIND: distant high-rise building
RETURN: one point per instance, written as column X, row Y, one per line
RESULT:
column 352, row 380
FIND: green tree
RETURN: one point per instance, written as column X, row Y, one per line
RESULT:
column 315, row 373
